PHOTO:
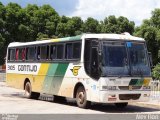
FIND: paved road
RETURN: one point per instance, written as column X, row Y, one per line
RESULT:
column 13, row 101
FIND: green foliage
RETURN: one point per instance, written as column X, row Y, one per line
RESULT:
column 155, row 19
column 150, row 31
column 156, row 72
column 42, row 36
column 2, row 40
column 90, row 25
column 117, row 25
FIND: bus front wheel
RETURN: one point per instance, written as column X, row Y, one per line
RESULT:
column 121, row 105
column 28, row 92
column 81, row 98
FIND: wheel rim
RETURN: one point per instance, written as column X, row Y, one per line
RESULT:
column 81, row 97
column 27, row 90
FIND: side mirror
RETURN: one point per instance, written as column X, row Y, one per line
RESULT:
column 150, row 59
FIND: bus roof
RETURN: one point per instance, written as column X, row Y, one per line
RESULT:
column 78, row 37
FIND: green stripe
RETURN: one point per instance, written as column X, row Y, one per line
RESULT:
column 136, row 82
column 54, row 78
column 78, row 37
column 49, row 77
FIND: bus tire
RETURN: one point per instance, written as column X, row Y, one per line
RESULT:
column 81, row 98
column 28, row 92
column 121, row 105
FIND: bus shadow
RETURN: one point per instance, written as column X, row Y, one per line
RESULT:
column 111, row 108
column 106, row 108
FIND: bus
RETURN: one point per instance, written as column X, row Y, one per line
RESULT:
column 100, row 68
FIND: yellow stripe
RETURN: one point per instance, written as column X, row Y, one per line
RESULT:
column 55, row 40
column 39, row 79
column 146, row 81
column 17, row 80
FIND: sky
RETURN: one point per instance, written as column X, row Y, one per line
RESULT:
column 134, row 10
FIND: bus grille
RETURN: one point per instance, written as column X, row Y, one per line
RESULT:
column 127, row 87
column 129, row 96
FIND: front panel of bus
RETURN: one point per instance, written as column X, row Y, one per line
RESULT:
column 120, row 67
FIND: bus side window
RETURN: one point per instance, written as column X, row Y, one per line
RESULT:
column 76, row 50
column 73, row 50
column 11, row 56
column 23, row 54
column 48, row 47
column 17, row 53
column 38, row 57
column 44, row 52
column 30, row 53
column 69, row 51
column 60, row 51
column 20, row 54
column 53, row 52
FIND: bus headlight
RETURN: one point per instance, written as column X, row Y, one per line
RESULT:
column 146, row 87
column 109, row 87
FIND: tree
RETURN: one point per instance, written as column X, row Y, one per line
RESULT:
column 117, row 25
column 61, row 30
column 156, row 72
column 91, row 25
column 150, row 31
column 43, row 20
column 125, row 25
column 12, row 21
column 155, row 18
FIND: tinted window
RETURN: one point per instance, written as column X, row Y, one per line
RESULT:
column 76, row 50
column 17, row 52
column 23, row 54
column 53, row 52
column 115, row 56
column 11, row 54
column 138, row 59
column 73, row 50
column 31, row 53
column 20, row 52
column 44, row 52
column 69, row 51
column 60, row 51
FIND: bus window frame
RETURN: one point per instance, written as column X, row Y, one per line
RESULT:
column 8, row 57
column 63, row 52
column 72, row 59
column 47, row 46
column 27, row 47
column 18, row 48
column 35, row 60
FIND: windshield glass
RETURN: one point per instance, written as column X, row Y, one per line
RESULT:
column 124, row 59
column 138, row 59
column 114, row 59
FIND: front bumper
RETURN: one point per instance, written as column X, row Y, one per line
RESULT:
column 123, row 96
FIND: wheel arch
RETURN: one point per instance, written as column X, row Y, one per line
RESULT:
column 76, row 88
column 25, row 81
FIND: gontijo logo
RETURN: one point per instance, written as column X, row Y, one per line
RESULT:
column 75, row 70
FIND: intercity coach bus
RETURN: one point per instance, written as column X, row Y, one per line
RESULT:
column 104, row 68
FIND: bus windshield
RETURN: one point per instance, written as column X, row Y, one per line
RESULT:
column 138, row 59
column 124, row 59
